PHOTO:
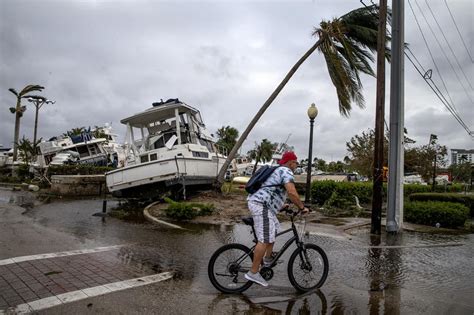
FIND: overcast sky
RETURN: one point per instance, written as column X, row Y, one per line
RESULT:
column 105, row 60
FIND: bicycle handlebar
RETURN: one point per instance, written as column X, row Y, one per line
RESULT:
column 288, row 210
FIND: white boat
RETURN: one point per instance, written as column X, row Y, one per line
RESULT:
column 168, row 147
column 84, row 148
column 67, row 150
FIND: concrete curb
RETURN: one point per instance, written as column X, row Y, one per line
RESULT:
column 151, row 218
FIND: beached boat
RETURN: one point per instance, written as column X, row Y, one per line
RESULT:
column 168, row 148
column 72, row 150
column 84, row 148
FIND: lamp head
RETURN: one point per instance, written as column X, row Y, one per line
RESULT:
column 312, row 111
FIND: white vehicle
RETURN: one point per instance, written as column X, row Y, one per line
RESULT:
column 167, row 147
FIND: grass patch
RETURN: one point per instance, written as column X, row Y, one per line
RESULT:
column 187, row 210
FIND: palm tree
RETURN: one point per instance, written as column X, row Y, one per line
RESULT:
column 19, row 110
column 262, row 153
column 76, row 131
column 347, row 44
column 27, row 150
column 227, row 138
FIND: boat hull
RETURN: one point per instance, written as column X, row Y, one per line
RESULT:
column 153, row 178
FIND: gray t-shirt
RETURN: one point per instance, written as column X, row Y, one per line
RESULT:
column 274, row 197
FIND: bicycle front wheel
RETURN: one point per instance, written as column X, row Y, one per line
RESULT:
column 308, row 268
column 227, row 268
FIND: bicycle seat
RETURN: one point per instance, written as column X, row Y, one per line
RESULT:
column 248, row 220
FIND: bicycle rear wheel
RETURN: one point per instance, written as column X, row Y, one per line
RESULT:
column 227, row 268
column 308, row 268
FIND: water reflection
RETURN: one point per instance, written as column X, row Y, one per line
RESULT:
column 308, row 303
column 383, row 273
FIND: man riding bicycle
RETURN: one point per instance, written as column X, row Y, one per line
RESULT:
column 264, row 204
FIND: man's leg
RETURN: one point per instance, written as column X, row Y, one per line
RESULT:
column 268, row 253
column 275, row 227
column 258, row 254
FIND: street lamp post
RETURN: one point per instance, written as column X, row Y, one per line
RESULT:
column 312, row 113
column 38, row 101
column 433, row 139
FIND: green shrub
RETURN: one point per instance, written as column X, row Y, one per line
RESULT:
column 322, row 191
column 457, row 187
column 467, row 200
column 187, row 210
column 409, row 189
column 447, row 214
column 363, row 191
column 339, row 201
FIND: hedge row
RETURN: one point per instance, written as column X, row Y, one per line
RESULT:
column 321, row 191
column 467, row 200
column 447, row 214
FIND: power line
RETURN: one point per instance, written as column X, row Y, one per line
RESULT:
column 451, row 105
column 450, row 48
column 426, row 75
column 429, row 50
column 440, row 95
column 443, row 100
column 455, row 24
column 442, row 50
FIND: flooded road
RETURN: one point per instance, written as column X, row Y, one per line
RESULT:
column 408, row 273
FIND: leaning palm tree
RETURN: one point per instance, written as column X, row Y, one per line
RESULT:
column 19, row 110
column 347, row 44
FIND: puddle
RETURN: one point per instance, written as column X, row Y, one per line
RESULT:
column 129, row 211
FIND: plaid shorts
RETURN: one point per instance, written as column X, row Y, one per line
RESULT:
column 265, row 222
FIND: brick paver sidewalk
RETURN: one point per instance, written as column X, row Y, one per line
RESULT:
column 36, row 279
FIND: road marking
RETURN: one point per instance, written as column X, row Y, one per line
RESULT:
column 41, row 304
column 58, row 254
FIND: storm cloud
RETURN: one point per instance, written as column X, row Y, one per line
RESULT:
column 102, row 61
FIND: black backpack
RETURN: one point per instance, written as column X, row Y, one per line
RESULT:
column 260, row 176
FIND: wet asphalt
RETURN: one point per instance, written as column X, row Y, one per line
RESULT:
column 413, row 278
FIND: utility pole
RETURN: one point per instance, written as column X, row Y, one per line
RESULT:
column 397, row 113
column 375, row 227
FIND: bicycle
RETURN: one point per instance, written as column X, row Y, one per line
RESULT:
column 308, row 265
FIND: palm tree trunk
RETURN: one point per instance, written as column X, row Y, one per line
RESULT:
column 17, row 130
column 269, row 101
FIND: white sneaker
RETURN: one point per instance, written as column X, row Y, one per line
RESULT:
column 256, row 277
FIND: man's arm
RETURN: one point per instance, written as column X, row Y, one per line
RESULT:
column 295, row 197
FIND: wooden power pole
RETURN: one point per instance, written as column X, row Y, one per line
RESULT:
column 375, row 227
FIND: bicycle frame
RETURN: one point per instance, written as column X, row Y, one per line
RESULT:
column 287, row 244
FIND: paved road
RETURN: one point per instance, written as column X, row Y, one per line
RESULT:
column 116, row 267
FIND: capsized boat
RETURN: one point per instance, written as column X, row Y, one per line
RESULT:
column 168, row 148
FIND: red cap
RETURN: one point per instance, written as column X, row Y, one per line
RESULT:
column 288, row 156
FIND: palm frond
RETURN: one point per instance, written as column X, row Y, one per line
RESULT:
column 13, row 91
column 348, row 46
column 344, row 79
column 30, row 88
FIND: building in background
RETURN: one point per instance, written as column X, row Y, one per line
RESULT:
column 459, row 156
